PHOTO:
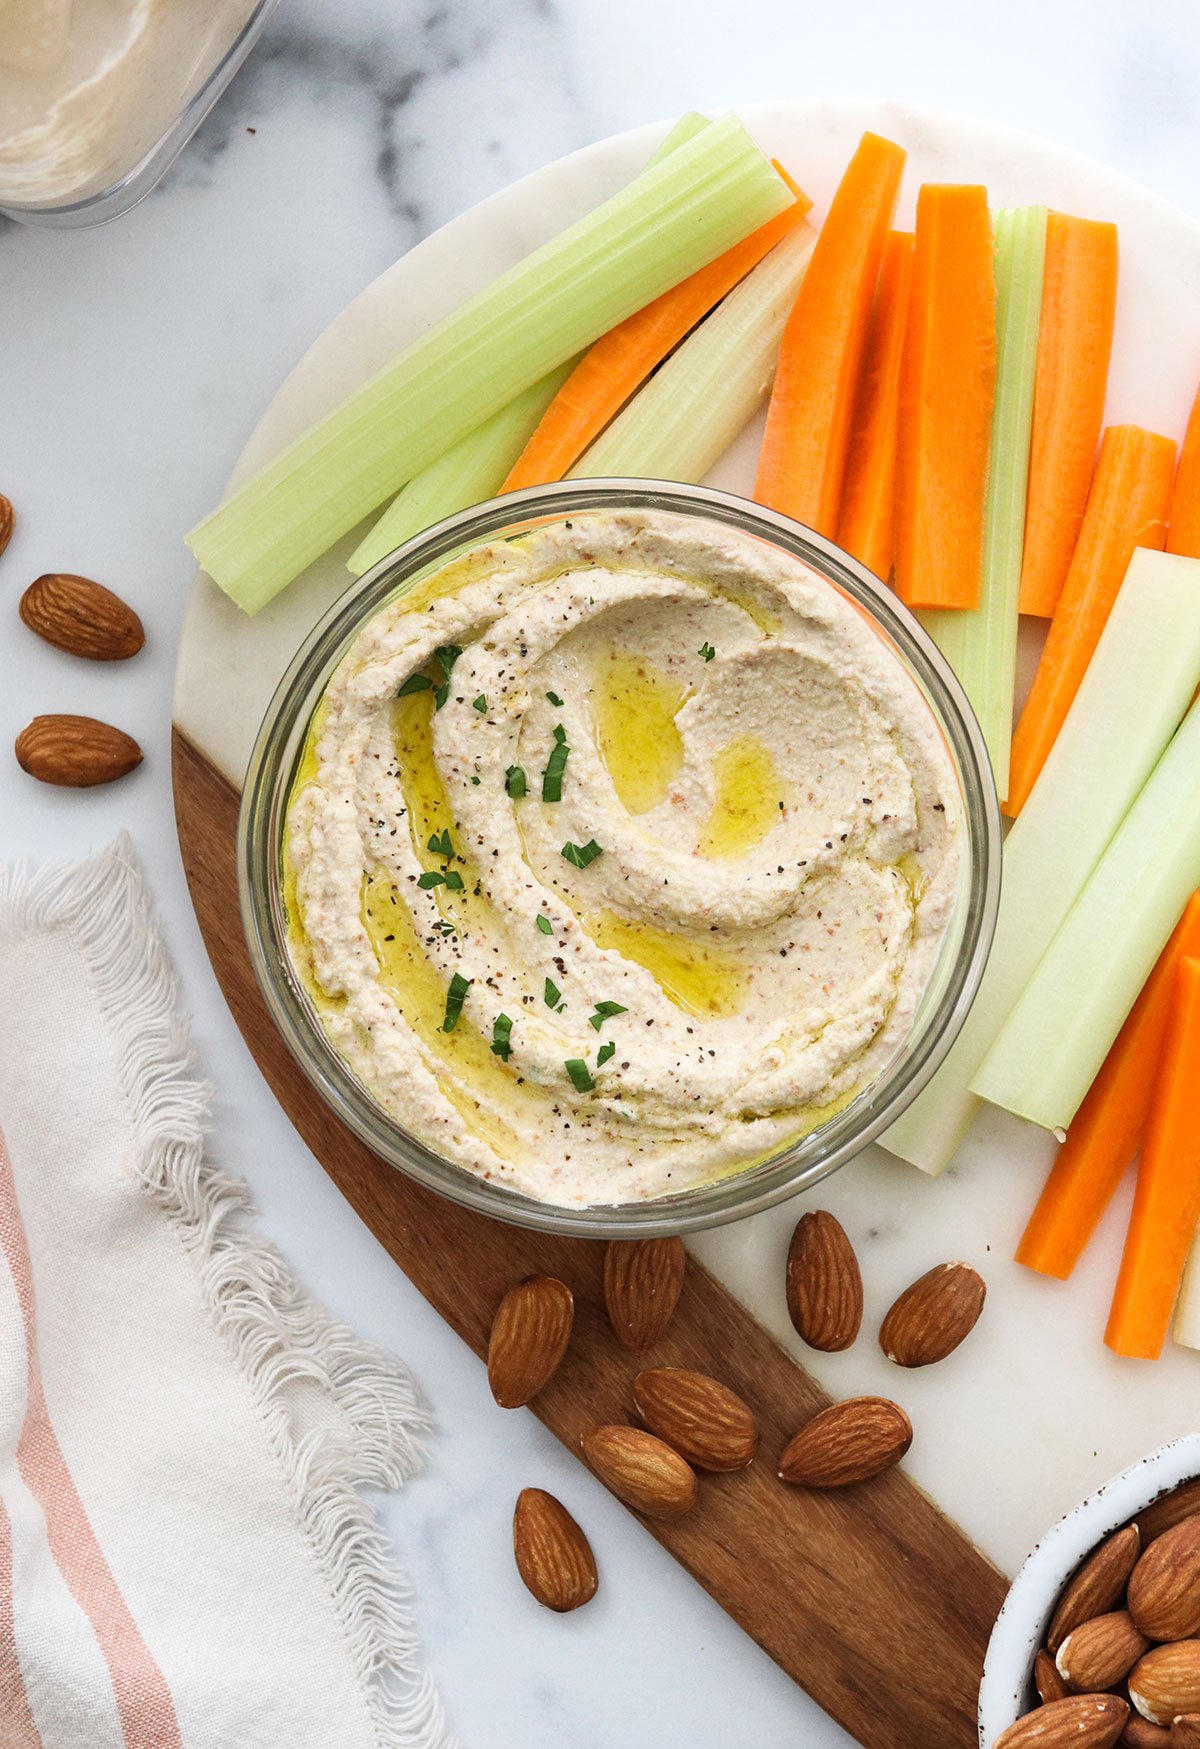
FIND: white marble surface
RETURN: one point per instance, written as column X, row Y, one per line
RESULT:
column 136, row 359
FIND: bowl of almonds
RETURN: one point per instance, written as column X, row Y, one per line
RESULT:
column 1098, row 1642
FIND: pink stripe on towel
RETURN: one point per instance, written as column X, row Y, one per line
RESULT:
column 144, row 1703
column 20, row 1728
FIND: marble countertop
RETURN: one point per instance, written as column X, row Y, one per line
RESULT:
column 136, row 359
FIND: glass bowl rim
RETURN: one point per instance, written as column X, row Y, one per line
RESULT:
column 271, row 771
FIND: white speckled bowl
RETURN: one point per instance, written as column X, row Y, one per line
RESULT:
column 1007, row 1687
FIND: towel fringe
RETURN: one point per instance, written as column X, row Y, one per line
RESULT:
column 340, row 1414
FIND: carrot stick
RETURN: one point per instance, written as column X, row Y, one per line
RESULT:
column 1126, row 508
column 1107, row 1130
column 1183, row 530
column 947, row 386
column 1166, row 1204
column 621, row 360
column 866, row 524
column 1079, row 302
column 802, row 463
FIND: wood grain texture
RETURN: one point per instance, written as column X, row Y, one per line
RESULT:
column 869, row 1597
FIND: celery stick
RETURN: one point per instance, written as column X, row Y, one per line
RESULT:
column 474, row 469
column 1052, row 1045
column 1115, row 732
column 980, row 643
column 700, row 200
column 685, row 129
column 693, row 407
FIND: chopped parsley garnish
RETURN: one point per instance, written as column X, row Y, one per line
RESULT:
column 544, row 924
column 444, row 928
column 551, row 995
column 560, row 734
column 577, row 1069
column 604, row 1053
column 475, row 779
column 555, row 766
column 501, row 1032
column 514, row 782
column 447, row 655
column 440, row 843
column 415, row 683
column 432, row 877
column 579, row 855
column 454, row 1000
column 454, row 881
column 605, row 1011
column 706, row 650
column 480, row 703
column 555, row 700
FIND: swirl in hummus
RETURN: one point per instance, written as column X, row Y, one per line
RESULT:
column 620, row 854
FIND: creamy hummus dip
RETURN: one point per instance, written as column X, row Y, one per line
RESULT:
column 620, row 855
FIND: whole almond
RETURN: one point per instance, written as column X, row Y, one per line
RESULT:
column 1185, row 1732
column 1139, row 1733
column 1169, row 1509
column 933, row 1316
column 1164, row 1587
column 81, row 617
column 705, row 1422
column 1046, row 1680
column 529, row 1338
column 7, row 519
column 641, row 1470
column 75, row 752
column 1100, row 1653
column 642, row 1283
column 1166, row 1682
column 1098, row 1584
column 824, row 1283
column 846, row 1443
column 1081, row 1721
column 553, row 1556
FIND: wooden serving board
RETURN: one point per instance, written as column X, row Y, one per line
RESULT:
column 869, row 1597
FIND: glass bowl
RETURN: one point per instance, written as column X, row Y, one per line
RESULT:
column 948, row 997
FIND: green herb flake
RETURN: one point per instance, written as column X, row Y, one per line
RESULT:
column 605, row 1011
column 551, row 995
column 577, row 1069
column 553, row 775
column 439, row 842
column 604, row 1053
column 415, row 683
column 447, row 655
column 580, row 855
column 477, row 780
column 480, row 704
column 555, row 700
column 560, row 734
column 441, row 694
column 454, row 1000
column 706, row 650
column 501, row 1033
column 432, row 878
column 545, row 925
column 454, row 881
column 514, row 782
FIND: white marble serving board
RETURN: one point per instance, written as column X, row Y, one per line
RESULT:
column 1033, row 1411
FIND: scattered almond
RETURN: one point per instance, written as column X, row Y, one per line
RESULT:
column 848, row 1442
column 933, row 1316
column 7, row 519
column 1164, row 1587
column 529, row 1338
column 641, row 1470
column 75, row 752
column 1139, row 1733
column 1101, row 1652
column 1081, row 1721
column 703, row 1420
column 553, row 1556
column 81, row 617
column 1169, row 1509
column 1166, row 1682
column 1046, row 1680
column 1185, row 1732
column 642, row 1283
column 824, row 1283
column 1098, row 1584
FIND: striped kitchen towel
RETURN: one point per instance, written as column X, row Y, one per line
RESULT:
column 186, row 1561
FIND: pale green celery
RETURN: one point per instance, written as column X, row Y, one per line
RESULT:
column 1115, row 733
column 1052, row 1045
column 700, row 200
column 685, row 129
column 980, row 643
column 693, row 407
column 473, row 469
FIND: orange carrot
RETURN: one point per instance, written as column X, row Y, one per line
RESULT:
column 1079, row 302
column 802, row 463
column 1166, row 1204
column 621, row 360
column 1107, row 1130
column 866, row 523
column 1126, row 508
column 1183, row 530
column 947, row 386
